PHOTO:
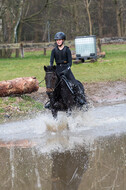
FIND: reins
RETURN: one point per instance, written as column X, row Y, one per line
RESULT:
column 44, row 79
column 41, row 81
column 57, row 84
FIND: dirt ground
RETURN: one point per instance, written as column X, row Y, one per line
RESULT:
column 97, row 94
column 101, row 93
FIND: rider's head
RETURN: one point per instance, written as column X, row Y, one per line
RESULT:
column 59, row 38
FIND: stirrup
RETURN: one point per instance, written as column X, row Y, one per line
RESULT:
column 47, row 105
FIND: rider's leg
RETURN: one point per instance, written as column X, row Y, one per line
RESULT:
column 80, row 96
column 79, row 92
column 71, row 77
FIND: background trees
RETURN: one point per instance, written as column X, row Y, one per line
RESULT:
column 10, row 15
column 38, row 21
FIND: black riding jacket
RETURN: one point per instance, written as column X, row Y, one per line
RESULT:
column 62, row 57
column 63, row 61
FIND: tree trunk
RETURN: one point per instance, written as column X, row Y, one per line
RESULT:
column 18, row 86
column 87, row 5
column 118, row 20
column 10, row 16
column 100, row 17
column 75, row 18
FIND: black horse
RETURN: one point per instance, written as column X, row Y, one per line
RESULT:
column 62, row 93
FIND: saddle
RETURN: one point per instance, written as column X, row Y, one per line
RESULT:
column 68, row 83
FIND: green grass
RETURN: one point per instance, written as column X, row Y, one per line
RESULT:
column 23, row 104
column 112, row 67
column 31, row 65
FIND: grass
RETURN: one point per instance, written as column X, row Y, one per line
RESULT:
column 110, row 68
column 31, row 65
column 16, row 106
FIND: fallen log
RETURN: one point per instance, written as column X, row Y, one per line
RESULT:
column 18, row 86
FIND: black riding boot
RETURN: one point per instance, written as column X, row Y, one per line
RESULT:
column 79, row 95
column 47, row 105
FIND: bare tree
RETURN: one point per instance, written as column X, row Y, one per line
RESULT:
column 120, row 8
column 87, row 5
column 11, row 12
column 100, row 16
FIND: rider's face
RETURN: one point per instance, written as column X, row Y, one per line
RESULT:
column 59, row 42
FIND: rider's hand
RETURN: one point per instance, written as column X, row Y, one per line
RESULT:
column 64, row 72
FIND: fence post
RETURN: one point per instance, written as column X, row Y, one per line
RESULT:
column 22, row 50
column 44, row 51
column 17, row 53
column 99, row 44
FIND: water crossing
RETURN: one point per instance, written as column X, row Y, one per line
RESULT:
column 85, row 150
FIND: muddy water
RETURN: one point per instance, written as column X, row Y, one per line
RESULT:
column 85, row 151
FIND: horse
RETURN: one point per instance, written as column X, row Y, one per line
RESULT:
column 63, row 95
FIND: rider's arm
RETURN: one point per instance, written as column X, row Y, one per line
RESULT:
column 52, row 58
column 69, row 57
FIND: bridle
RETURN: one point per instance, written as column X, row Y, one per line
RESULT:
column 48, row 90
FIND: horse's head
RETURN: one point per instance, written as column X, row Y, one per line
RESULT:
column 50, row 77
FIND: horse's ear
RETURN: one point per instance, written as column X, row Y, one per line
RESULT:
column 45, row 68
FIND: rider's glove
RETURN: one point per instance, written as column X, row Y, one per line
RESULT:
column 64, row 72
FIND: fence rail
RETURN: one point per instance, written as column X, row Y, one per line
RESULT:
column 32, row 45
column 26, row 45
column 52, row 44
column 21, row 46
column 113, row 40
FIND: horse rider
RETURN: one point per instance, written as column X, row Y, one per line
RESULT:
column 62, row 56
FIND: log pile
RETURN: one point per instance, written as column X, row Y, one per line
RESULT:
column 18, row 86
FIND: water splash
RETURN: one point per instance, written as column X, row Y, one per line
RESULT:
column 66, row 132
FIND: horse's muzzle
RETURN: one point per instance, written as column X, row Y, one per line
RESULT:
column 49, row 89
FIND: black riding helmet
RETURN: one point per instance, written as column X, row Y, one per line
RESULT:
column 60, row 36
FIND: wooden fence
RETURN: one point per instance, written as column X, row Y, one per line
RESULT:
column 20, row 47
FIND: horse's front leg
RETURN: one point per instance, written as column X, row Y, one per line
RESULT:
column 51, row 98
column 54, row 113
column 52, row 103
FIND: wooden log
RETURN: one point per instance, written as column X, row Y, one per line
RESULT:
column 101, row 54
column 18, row 86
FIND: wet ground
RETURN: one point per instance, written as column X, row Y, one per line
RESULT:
column 99, row 93
column 86, row 150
